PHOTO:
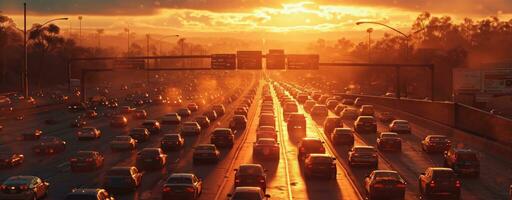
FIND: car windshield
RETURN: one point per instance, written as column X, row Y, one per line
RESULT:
column 438, row 139
column 321, row 159
column 18, row 181
column 266, row 142
column 387, row 176
column 250, row 170
column 389, row 136
column 205, row 148
column 469, row 156
column 179, row 180
column 364, row 150
column 366, row 119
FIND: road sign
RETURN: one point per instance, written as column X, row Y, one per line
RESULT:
column 275, row 59
column 223, row 61
column 302, row 61
column 249, row 59
column 467, row 80
column 129, row 63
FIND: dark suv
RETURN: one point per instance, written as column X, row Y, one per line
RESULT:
column 310, row 145
column 222, row 137
column 438, row 181
column 238, row 123
column 296, row 125
column 462, row 161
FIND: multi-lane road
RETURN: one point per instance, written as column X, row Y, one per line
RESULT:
column 285, row 177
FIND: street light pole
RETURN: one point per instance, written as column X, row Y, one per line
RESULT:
column 25, row 67
column 369, row 31
column 80, row 32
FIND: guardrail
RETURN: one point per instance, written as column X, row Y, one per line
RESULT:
column 455, row 115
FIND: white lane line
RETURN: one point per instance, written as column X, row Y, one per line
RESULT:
column 284, row 150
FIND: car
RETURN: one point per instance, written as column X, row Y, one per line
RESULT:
column 296, row 125
column 88, row 133
column 139, row 134
column 153, row 126
column 171, row 119
column 363, row 155
column 222, row 137
column 337, row 110
column 342, row 136
column 384, row 184
column 435, row 143
column 34, row 135
column 319, row 111
column 140, row 114
column 385, row 117
column 24, row 187
column 151, row 158
column 288, row 108
column 320, row 164
column 400, row 126
column 211, row 115
column 126, row 110
column 359, row 102
column 462, row 161
column 439, row 182
column 245, row 193
column 205, row 152
column 193, row 107
column 389, row 141
column 118, row 121
column 49, row 145
column 302, row 98
column 266, row 148
column 252, row 175
column 86, row 160
column 266, row 119
column 266, row 132
column 172, row 142
column 219, row 109
column 323, row 99
column 238, row 123
column 91, row 114
column 366, row 110
column 241, row 111
column 203, row 121
column 10, row 159
column 182, row 186
column 123, row 142
column 77, row 107
column 349, row 114
column 89, row 194
column 184, row 112
column 78, row 123
column 366, row 124
column 309, row 145
column 348, row 102
column 331, row 104
column 122, row 179
column 332, row 123
column 190, row 128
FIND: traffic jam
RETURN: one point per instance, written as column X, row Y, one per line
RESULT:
column 257, row 136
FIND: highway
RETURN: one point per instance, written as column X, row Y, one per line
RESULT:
column 285, row 177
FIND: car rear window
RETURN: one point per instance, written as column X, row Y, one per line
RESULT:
column 443, row 174
column 438, row 139
column 246, row 196
column 179, row 180
column 364, row 150
column 470, row 156
column 387, row 176
column 149, row 153
column 209, row 148
column 366, row 119
column 122, row 138
column 266, row 142
column 321, row 159
column 316, row 144
column 250, row 170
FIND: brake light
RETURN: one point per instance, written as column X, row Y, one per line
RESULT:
column 73, row 160
column 457, row 183
column 262, row 180
column 378, row 185
column 400, row 185
column 166, row 189
column 432, row 184
column 88, row 159
column 237, row 180
column 3, row 187
column 322, row 149
column 24, row 187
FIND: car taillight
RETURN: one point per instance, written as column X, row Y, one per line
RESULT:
column 166, row 189
column 3, row 187
column 322, row 149
column 237, row 180
column 73, row 160
column 190, row 189
column 88, row 159
column 24, row 187
column 262, row 180
column 400, row 185
column 432, row 184
column 378, row 185
column 309, row 165
column 457, row 183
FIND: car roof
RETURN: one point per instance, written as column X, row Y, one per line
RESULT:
column 311, row 138
column 440, row 169
column 247, row 189
column 181, row 175
column 320, row 155
column 400, row 120
column 206, row 145
column 222, row 129
column 250, row 165
column 384, row 171
column 267, row 139
column 444, row 136
column 389, row 133
column 364, row 147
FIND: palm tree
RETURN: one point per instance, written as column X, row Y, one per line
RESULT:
column 44, row 39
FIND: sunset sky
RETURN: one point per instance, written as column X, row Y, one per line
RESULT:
column 285, row 19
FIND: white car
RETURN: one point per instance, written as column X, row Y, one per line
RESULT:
column 400, row 126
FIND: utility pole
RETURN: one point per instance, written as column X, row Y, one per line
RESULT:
column 369, row 31
column 25, row 70
column 147, row 60
column 80, row 33
column 127, row 30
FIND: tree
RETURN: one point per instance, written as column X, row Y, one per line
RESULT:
column 44, row 39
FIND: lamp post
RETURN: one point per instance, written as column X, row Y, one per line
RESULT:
column 164, row 37
column 127, row 30
column 369, row 31
column 25, row 52
column 407, row 38
column 80, row 32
